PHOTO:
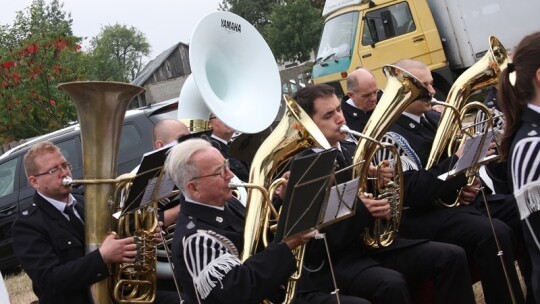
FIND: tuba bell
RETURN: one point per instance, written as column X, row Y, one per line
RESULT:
column 401, row 90
column 483, row 74
column 101, row 107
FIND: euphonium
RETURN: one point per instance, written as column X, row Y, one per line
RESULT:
column 296, row 132
column 101, row 107
column 483, row 74
column 401, row 90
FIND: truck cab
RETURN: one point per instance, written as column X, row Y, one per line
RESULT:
column 371, row 34
column 449, row 36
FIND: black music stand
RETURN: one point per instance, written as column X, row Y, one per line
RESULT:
column 150, row 183
column 306, row 202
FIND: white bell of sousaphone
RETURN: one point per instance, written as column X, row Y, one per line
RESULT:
column 235, row 72
column 192, row 110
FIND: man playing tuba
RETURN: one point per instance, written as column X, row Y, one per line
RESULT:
column 209, row 234
column 464, row 225
column 48, row 237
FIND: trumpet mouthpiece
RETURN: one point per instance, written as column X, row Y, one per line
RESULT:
column 67, row 181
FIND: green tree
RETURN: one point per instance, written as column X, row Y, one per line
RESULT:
column 255, row 12
column 294, row 30
column 117, row 52
column 38, row 52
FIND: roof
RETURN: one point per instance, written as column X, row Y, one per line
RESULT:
column 153, row 65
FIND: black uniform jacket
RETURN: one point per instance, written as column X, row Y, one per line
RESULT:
column 238, row 167
column 423, row 188
column 347, row 250
column 52, row 254
column 221, row 276
column 525, row 171
column 356, row 119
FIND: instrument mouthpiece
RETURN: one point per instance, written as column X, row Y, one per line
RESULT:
column 344, row 129
column 67, row 181
column 236, row 185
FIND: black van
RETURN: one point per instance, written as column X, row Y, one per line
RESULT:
column 15, row 192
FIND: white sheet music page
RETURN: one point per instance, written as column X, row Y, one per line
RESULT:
column 341, row 200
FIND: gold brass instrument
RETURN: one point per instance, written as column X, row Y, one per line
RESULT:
column 220, row 61
column 295, row 133
column 101, row 107
column 401, row 90
column 483, row 74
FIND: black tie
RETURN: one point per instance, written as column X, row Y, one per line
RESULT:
column 74, row 220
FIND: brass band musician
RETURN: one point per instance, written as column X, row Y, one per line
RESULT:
column 381, row 275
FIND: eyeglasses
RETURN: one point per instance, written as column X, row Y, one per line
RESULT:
column 222, row 171
column 66, row 166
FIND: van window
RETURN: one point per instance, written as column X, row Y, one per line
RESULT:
column 130, row 137
column 387, row 22
column 7, row 176
column 70, row 150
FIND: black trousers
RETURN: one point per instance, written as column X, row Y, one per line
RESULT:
column 474, row 233
column 442, row 264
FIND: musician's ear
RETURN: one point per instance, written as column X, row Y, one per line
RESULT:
column 192, row 189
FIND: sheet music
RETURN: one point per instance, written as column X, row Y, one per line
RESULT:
column 341, row 200
column 165, row 188
column 470, row 155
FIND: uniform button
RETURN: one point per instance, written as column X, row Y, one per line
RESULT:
column 99, row 275
column 69, row 242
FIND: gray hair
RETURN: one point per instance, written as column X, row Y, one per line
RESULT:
column 179, row 165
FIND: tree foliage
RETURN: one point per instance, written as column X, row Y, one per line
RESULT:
column 117, row 53
column 295, row 30
column 292, row 28
column 255, row 12
column 38, row 52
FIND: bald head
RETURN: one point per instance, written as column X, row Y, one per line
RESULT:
column 422, row 72
column 167, row 131
column 411, row 64
column 362, row 89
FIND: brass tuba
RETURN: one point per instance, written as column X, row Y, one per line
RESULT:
column 483, row 74
column 101, row 107
column 401, row 90
column 295, row 133
column 222, row 60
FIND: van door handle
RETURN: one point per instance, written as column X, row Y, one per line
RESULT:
column 7, row 210
column 418, row 39
column 366, row 55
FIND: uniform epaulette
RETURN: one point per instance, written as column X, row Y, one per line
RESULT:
column 29, row 211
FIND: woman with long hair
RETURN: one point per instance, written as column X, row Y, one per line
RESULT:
column 519, row 99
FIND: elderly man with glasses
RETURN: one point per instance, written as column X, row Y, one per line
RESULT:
column 209, row 234
column 48, row 237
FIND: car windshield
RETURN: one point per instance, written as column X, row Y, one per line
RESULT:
column 338, row 36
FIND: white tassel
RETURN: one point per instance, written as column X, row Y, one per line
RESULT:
column 528, row 199
column 214, row 273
